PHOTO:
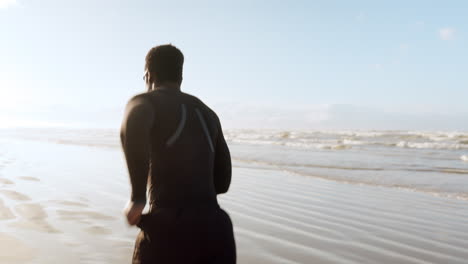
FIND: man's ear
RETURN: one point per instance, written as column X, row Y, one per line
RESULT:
column 147, row 76
column 151, row 78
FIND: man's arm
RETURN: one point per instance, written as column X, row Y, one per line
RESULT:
column 222, row 164
column 135, row 138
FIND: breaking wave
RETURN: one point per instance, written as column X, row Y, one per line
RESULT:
column 342, row 140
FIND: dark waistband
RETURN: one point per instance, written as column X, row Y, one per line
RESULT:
column 189, row 203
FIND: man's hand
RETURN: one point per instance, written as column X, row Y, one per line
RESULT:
column 133, row 212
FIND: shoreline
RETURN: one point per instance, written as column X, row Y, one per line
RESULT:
column 75, row 202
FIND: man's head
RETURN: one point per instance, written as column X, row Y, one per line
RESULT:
column 164, row 64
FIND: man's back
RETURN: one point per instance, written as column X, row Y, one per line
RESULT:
column 190, row 161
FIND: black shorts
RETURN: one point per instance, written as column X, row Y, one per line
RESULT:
column 185, row 235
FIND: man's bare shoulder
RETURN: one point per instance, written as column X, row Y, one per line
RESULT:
column 139, row 100
column 139, row 107
column 202, row 105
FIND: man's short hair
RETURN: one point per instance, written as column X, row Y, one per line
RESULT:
column 166, row 62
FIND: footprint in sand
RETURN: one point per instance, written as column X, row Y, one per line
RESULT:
column 5, row 212
column 14, row 195
column 80, row 215
column 98, row 230
column 36, row 225
column 84, row 199
column 72, row 204
column 31, row 211
column 34, row 218
column 27, row 178
column 6, row 181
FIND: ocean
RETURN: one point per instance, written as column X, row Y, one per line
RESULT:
column 422, row 161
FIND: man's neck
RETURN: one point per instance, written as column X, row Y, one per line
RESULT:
column 167, row 86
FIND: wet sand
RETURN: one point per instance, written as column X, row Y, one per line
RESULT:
column 69, row 201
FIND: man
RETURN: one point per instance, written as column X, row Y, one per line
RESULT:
column 174, row 143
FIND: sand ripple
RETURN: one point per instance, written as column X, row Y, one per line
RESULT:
column 5, row 181
column 77, row 215
column 5, row 212
column 14, row 195
column 300, row 220
column 34, row 217
column 27, row 178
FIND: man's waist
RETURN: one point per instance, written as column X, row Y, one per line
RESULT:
column 173, row 202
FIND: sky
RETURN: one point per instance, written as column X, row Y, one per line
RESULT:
column 259, row 64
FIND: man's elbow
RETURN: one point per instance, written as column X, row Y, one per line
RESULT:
column 224, row 187
column 222, row 190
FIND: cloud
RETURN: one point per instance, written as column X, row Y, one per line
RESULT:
column 7, row 3
column 261, row 115
column 339, row 116
column 420, row 23
column 447, row 33
column 404, row 47
column 344, row 116
column 360, row 17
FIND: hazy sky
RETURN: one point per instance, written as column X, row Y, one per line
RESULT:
column 306, row 64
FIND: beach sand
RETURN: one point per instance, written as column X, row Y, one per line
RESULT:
column 62, row 202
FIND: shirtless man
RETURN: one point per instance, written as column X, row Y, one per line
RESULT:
column 174, row 145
